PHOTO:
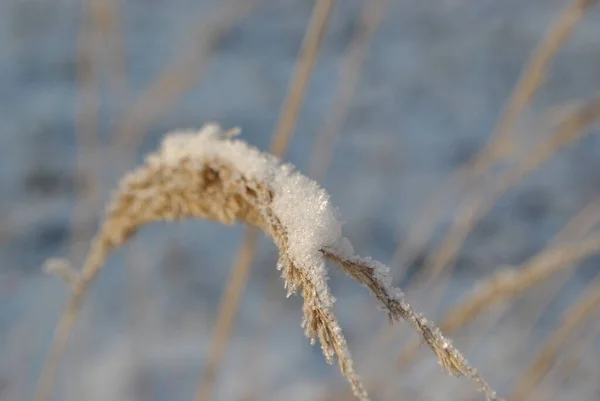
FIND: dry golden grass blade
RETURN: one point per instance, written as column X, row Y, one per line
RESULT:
column 87, row 125
column 271, row 309
column 97, row 20
column 208, row 175
column 478, row 204
column 350, row 73
column 88, row 80
column 500, row 144
column 452, row 360
column 588, row 307
column 576, row 229
column 100, row 22
column 529, row 83
column 567, row 131
column 509, row 283
column 240, row 273
column 228, row 310
column 88, row 141
column 107, row 16
column 568, row 366
column 580, row 226
column 452, row 363
column 183, row 72
column 309, row 53
column 63, row 330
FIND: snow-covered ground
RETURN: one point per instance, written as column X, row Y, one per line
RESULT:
column 436, row 77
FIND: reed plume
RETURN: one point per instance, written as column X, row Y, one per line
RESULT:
column 210, row 175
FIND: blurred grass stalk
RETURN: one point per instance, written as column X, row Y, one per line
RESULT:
column 501, row 147
column 240, row 271
column 501, row 143
column 350, row 72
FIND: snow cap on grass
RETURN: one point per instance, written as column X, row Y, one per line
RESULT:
column 299, row 203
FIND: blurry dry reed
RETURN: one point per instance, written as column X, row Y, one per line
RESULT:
column 101, row 30
column 567, row 367
column 107, row 19
column 87, row 120
column 240, row 271
column 580, row 226
column 573, row 122
column 577, row 229
column 569, row 130
column 478, row 204
column 180, row 75
column 509, row 283
column 350, row 72
column 500, row 146
column 586, row 308
column 176, row 184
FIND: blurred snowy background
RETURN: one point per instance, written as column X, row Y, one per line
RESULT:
column 76, row 113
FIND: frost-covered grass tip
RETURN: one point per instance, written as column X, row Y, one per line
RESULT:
column 211, row 175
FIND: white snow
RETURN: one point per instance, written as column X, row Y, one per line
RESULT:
column 299, row 203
